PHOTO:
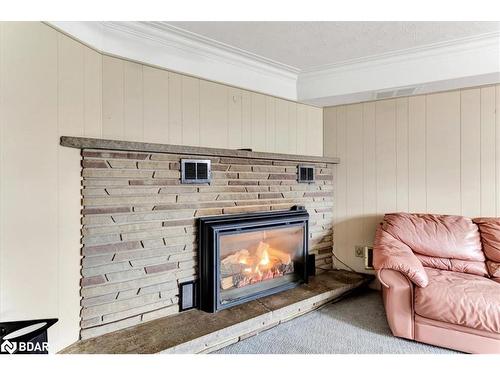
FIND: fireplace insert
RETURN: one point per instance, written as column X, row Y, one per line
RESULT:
column 247, row 256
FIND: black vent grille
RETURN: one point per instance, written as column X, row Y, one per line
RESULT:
column 305, row 174
column 202, row 171
column 195, row 171
column 190, row 171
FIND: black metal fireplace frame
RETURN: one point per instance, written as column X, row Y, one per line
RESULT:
column 210, row 230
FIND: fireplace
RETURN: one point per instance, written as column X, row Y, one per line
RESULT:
column 248, row 256
column 140, row 229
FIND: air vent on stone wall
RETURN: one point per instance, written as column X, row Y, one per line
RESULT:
column 305, row 174
column 195, row 171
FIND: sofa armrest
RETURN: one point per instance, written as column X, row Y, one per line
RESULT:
column 390, row 253
column 397, row 291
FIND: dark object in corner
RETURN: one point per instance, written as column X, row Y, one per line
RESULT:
column 311, row 264
column 245, row 149
column 188, row 295
column 368, row 255
column 25, row 336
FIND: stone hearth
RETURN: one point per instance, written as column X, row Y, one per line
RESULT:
column 176, row 333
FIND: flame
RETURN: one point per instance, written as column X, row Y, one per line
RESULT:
column 265, row 258
column 263, row 263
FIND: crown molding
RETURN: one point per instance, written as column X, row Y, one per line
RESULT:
column 439, row 66
column 171, row 48
column 461, row 44
column 210, row 46
column 435, row 67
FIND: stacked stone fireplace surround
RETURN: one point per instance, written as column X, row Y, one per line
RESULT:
column 139, row 225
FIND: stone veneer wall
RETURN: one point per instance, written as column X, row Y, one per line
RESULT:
column 139, row 231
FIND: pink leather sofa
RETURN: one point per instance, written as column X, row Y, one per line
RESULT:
column 440, row 277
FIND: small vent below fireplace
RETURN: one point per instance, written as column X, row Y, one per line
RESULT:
column 195, row 171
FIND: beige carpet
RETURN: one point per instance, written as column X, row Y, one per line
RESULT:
column 356, row 324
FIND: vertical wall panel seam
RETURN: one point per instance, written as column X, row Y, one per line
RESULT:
column 168, row 108
column 322, row 131
column 266, row 124
column 142, row 97
column 199, row 112
column 376, row 161
column 345, row 174
column 497, row 198
column 297, row 131
column 84, row 130
column 426, row 155
column 58, row 173
column 227, row 117
column 460, row 148
column 497, row 129
column 141, row 72
column 228, row 106
column 408, row 151
column 251, row 122
column 124, row 131
column 364, row 226
column 250, row 96
column 275, row 125
column 241, row 119
column 335, row 185
column 183, row 141
column 101, row 81
column 480, row 152
column 497, row 177
column 375, row 153
column 396, row 154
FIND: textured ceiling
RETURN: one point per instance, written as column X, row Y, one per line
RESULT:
column 305, row 45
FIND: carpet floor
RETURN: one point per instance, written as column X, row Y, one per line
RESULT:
column 356, row 324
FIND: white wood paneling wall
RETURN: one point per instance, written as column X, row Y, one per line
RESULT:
column 437, row 153
column 142, row 103
column 51, row 85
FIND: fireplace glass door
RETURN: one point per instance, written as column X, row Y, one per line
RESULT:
column 258, row 260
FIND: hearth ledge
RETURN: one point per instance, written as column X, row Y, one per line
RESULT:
column 109, row 144
column 174, row 334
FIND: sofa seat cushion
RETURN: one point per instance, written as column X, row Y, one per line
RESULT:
column 455, row 265
column 459, row 298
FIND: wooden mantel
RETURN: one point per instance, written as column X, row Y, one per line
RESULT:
column 109, row 144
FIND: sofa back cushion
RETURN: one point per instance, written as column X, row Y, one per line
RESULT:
column 489, row 229
column 444, row 242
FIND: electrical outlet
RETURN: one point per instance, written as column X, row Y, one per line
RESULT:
column 359, row 251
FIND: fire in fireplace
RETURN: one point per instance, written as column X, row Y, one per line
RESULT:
column 247, row 256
